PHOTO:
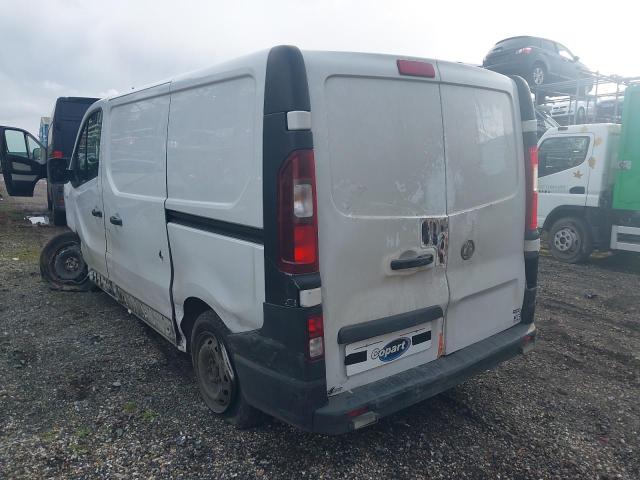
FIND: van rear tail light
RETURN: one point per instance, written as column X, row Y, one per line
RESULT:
column 532, row 189
column 57, row 154
column 315, row 337
column 524, row 51
column 416, row 69
column 297, row 217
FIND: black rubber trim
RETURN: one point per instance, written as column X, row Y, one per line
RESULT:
column 357, row 357
column 275, row 374
column 527, row 110
column 527, row 314
column 285, row 90
column 373, row 328
column 407, row 388
column 219, row 227
column 421, row 338
column 415, row 262
column 286, row 81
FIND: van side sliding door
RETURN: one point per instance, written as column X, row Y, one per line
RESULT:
column 134, row 189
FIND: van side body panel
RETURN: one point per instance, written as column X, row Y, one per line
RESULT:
column 214, row 191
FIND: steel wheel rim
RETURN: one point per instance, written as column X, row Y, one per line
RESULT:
column 215, row 372
column 538, row 75
column 68, row 265
column 566, row 240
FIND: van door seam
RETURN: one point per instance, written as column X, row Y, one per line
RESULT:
column 446, row 211
column 179, row 341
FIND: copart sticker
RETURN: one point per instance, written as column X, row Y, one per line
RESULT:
column 376, row 351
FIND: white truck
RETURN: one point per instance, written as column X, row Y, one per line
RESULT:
column 331, row 236
column 579, row 170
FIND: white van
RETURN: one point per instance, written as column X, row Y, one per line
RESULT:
column 332, row 236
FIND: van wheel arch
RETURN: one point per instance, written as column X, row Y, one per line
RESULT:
column 205, row 329
column 192, row 308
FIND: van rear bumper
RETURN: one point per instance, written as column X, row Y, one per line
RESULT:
column 305, row 403
column 404, row 389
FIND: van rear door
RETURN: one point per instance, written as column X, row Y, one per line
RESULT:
column 380, row 169
column 485, row 203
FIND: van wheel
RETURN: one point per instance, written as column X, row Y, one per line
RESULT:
column 59, row 216
column 569, row 240
column 217, row 378
column 62, row 265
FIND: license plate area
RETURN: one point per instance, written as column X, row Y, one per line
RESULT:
column 384, row 349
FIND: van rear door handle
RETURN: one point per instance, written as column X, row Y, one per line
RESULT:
column 96, row 213
column 414, row 262
column 116, row 220
column 578, row 190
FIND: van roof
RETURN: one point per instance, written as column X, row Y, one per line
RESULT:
column 255, row 60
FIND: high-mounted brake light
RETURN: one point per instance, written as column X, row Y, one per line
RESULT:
column 57, row 154
column 532, row 189
column 315, row 336
column 525, row 51
column 416, row 69
column 297, row 217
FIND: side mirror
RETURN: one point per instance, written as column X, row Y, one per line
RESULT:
column 58, row 172
column 576, row 58
column 37, row 154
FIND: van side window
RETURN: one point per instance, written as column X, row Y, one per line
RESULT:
column 87, row 153
column 561, row 153
column 15, row 143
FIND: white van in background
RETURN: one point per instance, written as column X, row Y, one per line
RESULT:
column 332, row 236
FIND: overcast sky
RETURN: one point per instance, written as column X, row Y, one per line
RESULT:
column 58, row 48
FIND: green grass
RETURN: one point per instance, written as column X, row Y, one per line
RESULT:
column 83, row 432
column 130, row 407
column 149, row 415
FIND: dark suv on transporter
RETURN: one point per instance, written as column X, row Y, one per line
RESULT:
column 540, row 62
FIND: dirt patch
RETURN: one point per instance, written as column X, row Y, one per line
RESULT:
column 88, row 391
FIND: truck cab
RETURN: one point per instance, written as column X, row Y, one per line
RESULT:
column 578, row 173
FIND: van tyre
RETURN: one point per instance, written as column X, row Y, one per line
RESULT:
column 570, row 241
column 62, row 265
column 216, row 375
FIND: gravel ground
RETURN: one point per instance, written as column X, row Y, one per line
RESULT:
column 88, row 391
